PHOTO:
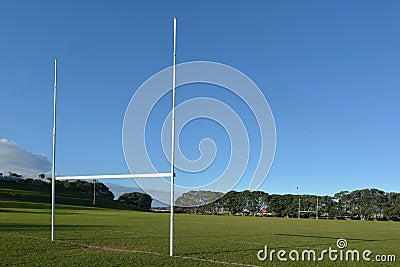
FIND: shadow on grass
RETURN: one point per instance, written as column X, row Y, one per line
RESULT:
column 17, row 211
column 328, row 237
column 216, row 252
column 28, row 211
column 256, row 246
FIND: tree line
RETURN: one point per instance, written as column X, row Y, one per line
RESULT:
column 365, row 204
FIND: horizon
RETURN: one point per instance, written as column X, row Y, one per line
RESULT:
column 118, row 189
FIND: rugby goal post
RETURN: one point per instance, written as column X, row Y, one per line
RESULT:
column 171, row 174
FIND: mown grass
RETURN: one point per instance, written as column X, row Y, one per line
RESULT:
column 127, row 238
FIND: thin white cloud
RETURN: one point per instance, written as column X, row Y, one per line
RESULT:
column 16, row 159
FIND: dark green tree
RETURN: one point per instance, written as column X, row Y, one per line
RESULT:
column 136, row 200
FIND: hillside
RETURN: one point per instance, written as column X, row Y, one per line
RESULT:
column 41, row 193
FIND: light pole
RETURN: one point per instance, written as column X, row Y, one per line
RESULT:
column 299, row 202
column 94, row 192
column 298, row 214
column 317, row 210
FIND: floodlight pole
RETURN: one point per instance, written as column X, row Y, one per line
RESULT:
column 53, row 170
column 299, row 202
column 317, row 210
column 171, row 233
column 94, row 192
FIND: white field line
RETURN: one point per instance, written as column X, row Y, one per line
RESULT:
column 137, row 251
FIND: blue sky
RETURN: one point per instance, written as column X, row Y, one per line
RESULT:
column 329, row 70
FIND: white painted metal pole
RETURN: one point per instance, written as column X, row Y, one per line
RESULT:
column 317, row 209
column 53, row 169
column 114, row 176
column 171, row 233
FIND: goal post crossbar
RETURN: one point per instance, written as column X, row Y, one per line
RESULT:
column 113, row 176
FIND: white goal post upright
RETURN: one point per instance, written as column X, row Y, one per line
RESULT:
column 171, row 237
column 53, row 171
column 119, row 176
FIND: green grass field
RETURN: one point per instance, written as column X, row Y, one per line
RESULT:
column 108, row 237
